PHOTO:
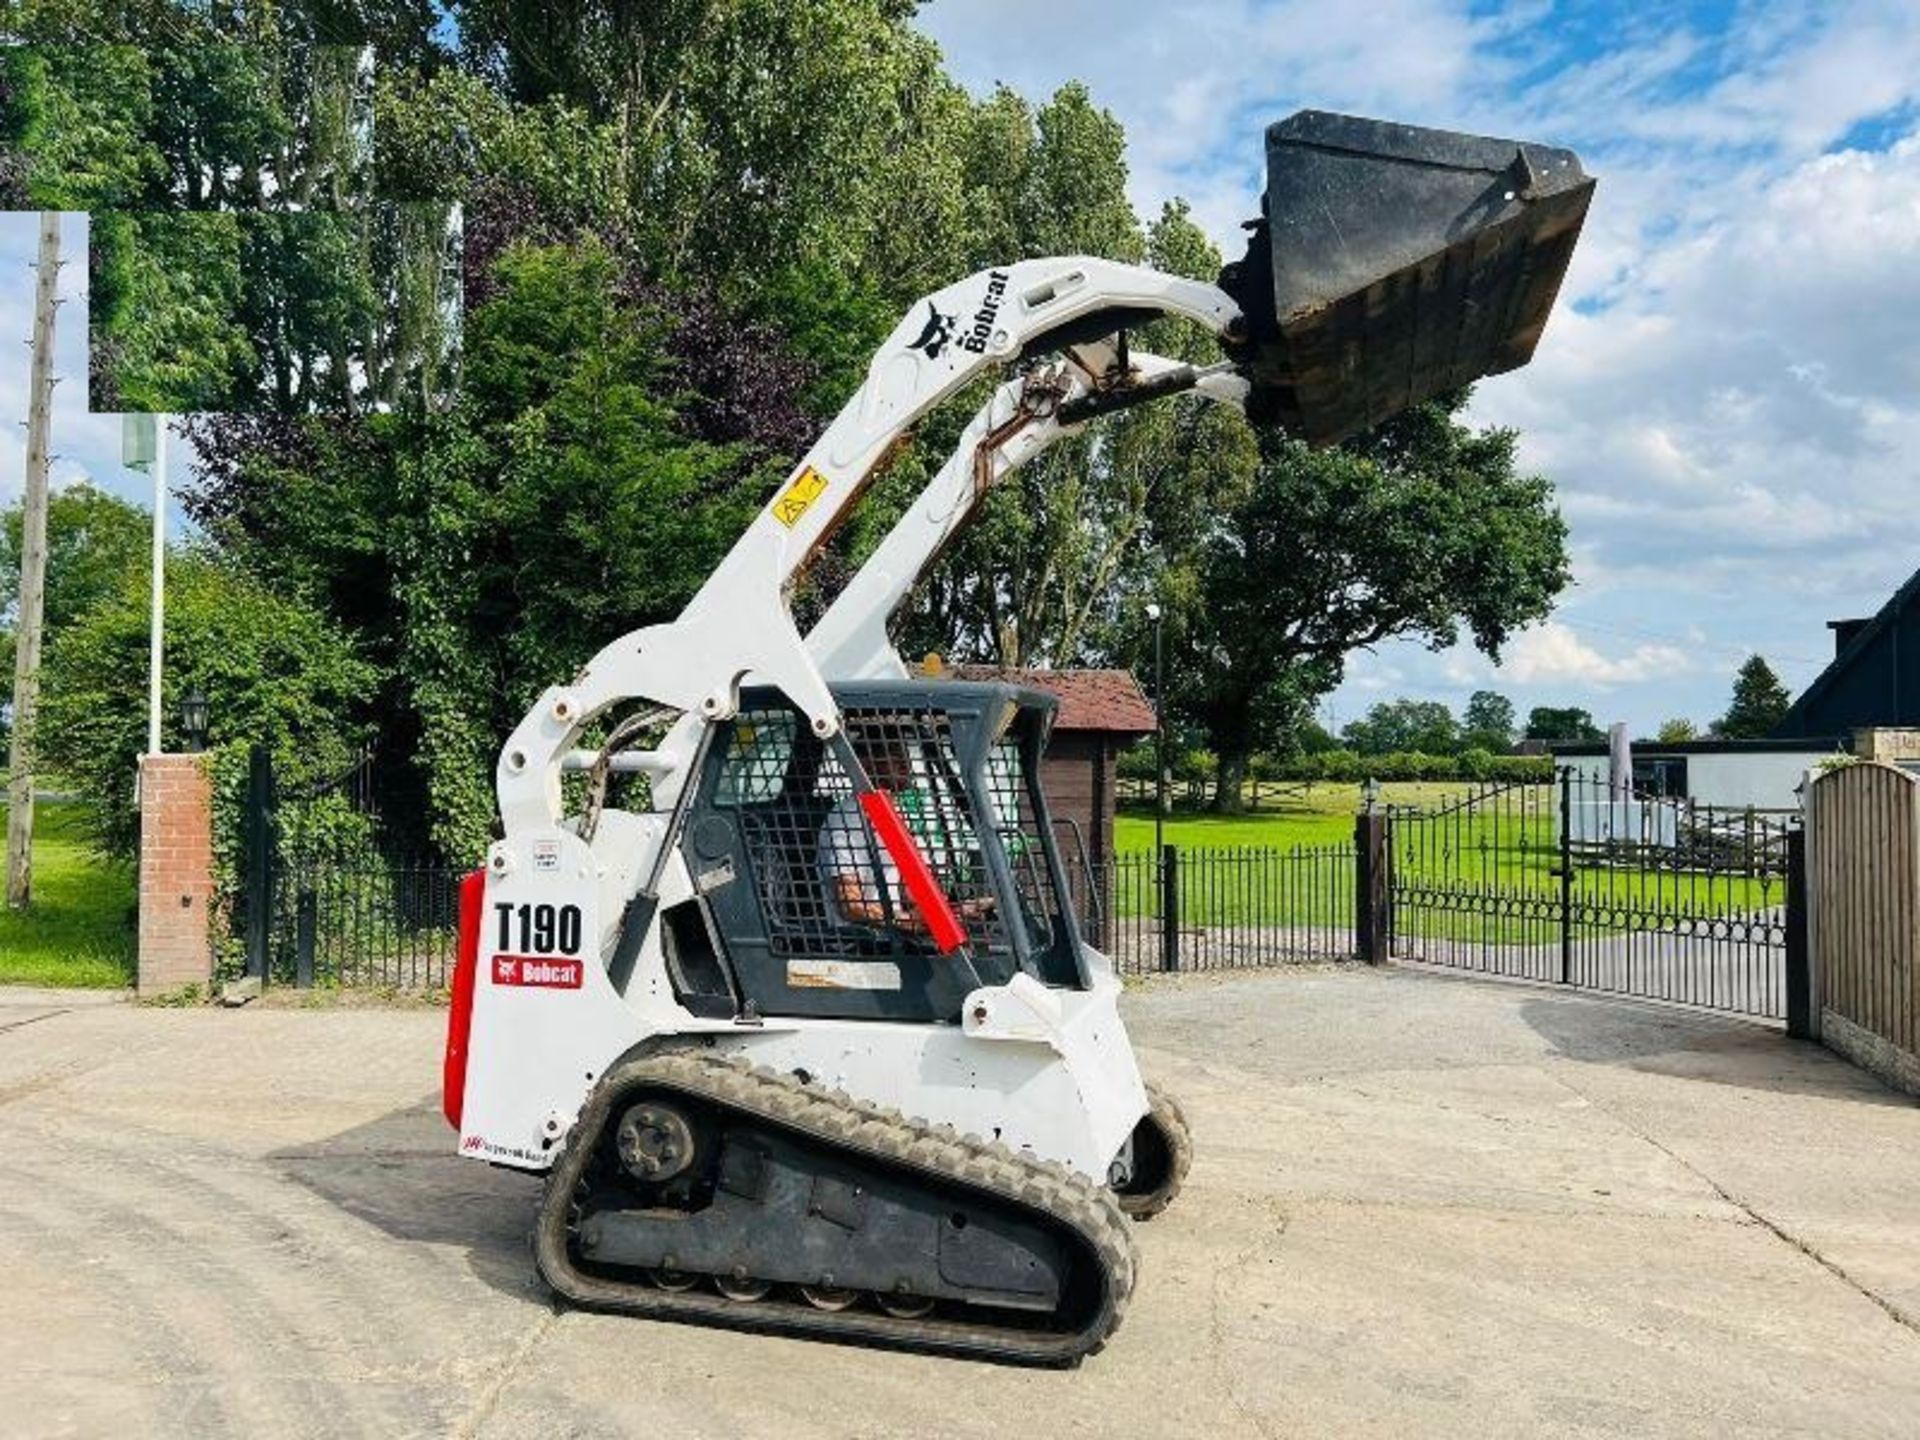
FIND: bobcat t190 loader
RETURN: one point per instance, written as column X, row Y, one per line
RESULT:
column 813, row 1044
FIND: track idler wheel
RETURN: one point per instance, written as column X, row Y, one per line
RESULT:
column 1162, row 1155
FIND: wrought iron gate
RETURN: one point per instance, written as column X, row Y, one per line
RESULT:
column 330, row 904
column 1572, row 882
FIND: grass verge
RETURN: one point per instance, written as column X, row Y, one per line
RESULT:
column 79, row 929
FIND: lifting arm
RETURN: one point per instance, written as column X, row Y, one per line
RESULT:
column 739, row 622
column 1020, row 420
column 1390, row 263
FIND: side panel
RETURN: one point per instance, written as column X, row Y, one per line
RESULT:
column 546, row 1020
column 1063, row 1086
column 1046, row 1070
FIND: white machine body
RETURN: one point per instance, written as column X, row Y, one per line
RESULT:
column 1048, row 1069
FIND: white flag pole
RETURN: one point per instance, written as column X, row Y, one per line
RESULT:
column 155, row 646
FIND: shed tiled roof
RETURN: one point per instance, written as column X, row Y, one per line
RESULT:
column 1109, row 700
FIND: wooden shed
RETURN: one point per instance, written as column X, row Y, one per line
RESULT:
column 1102, row 712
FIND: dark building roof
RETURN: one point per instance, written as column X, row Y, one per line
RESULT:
column 1648, row 749
column 1109, row 700
column 1872, row 679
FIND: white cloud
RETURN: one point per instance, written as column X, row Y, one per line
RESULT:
column 1728, row 396
column 1552, row 653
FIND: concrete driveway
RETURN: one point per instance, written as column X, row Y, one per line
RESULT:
column 1422, row 1205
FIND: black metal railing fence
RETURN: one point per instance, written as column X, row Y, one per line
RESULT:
column 1566, row 881
column 1190, row 908
column 1577, row 882
column 366, row 922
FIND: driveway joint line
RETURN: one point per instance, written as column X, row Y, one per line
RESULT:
column 1894, row 1312
column 489, row 1398
column 35, row 1019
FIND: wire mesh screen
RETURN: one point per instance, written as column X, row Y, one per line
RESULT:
column 1018, row 823
column 825, row 883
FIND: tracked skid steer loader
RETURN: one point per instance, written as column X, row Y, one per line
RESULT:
column 807, row 1038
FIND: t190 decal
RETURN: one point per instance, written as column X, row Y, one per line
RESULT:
column 538, row 929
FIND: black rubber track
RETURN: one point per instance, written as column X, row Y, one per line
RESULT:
column 1086, row 1216
column 1173, row 1144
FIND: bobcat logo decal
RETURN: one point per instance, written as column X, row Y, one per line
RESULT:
column 935, row 337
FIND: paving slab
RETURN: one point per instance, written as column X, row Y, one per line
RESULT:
column 1421, row 1205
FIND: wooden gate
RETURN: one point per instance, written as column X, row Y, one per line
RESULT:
column 1863, row 881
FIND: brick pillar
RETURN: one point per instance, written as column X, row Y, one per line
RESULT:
column 176, row 873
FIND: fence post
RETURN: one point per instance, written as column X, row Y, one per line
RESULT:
column 305, row 923
column 260, row 858
column 1372, row 927
column 1800, row 1022
column 1169, row 908
column 1566, row 875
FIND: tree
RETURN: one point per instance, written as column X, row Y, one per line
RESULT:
column 1565, row 722
column 1676, row 731
column 1421, row 529
column 1030, row 580
column 274, row 672
column 1401, row 725
column 1760, row 701
column 745, row 136
column 610, row 444
column 95, row 542
column 1488, row 723
column 166, row 311
column 1312, row 738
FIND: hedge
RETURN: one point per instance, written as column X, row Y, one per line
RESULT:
column 1349, row 766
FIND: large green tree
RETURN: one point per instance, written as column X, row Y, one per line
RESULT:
column 1420, row 529
column 95, row 544
column 584, row 486
column 274, row 671
column 237, row 258
column 745, row 137
column 1562, row 722
column 1759, row 702
column 1488, row 722
column 1427, row 726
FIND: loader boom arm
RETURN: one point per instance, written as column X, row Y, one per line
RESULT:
column 1390, row 263
column 739, row 622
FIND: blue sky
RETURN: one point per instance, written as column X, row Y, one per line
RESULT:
column 85, row 446
column 1729, row 396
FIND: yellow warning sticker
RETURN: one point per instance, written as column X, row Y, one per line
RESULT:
column 808, row 486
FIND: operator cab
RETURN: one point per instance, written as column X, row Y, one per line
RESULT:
column 799, row 906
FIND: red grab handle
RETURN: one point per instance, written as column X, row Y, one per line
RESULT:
column 943, row 926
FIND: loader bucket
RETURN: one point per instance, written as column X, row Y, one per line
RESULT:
column 1393, row 263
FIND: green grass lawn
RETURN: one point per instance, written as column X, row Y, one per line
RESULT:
column 80, row 927
column 1322, row 814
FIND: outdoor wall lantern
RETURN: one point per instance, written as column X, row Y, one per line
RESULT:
column 1371, row 791
column 193, row 719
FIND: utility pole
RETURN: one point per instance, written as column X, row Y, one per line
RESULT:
column 33, row 573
